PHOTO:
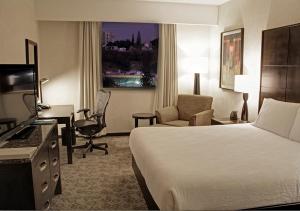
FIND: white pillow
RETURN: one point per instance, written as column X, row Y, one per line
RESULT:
column 277, row 117
column 295, row 132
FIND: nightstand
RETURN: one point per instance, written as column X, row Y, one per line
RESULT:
column 226, row 121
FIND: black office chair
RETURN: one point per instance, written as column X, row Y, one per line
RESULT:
column 93, row 124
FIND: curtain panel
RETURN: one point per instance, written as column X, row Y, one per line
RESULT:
column 167, row 87
column 89, row 57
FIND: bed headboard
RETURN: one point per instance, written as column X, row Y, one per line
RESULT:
column 280, row 64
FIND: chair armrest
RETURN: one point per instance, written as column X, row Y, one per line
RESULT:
column 167, row 114
column 202, row 119
column 85, row 111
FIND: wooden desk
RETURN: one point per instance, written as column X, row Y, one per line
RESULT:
column 63, row 114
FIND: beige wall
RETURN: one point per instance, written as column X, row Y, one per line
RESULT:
column 59, row 62
column 255, row 16
column 17, row 22
column 126, row 11
column 193, row 55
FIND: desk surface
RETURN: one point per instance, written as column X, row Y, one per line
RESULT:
column 56, row 111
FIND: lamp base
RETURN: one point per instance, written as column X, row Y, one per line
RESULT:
column 244, row 116
column 197, row 84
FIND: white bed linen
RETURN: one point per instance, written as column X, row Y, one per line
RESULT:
column 217, row 167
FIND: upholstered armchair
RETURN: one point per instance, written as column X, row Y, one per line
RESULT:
column 191, row 110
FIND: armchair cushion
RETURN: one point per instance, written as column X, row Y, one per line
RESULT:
column 178, row 123
column 202, row 119
column 167, row 114
column 188, row 105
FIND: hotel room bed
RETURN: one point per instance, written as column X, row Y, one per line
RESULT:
column 217, row 167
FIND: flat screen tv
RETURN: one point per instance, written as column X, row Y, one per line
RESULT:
column 17, row 98
column 129, row 55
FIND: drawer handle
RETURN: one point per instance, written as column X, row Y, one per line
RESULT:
column 56, row 177
column 53, row 144
column 44, row 187
column 43, row 166
column 54, row 161
column 46, row 205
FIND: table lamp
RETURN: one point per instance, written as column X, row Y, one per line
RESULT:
column 197, row 65
column 242, row 83
column 42, row 82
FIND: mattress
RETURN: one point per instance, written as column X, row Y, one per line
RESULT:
column 217, row 167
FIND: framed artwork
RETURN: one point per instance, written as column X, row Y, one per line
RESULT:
column 129, row 55
column 232, row 49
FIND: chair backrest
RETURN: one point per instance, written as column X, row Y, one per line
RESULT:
column 188, row 105
column 28, row 100
column 102, row 98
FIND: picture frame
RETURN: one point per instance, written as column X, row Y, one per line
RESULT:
column 31, row 53
column 231, row 57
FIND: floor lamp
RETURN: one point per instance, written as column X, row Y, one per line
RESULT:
column 242, row 83
column 198, row 66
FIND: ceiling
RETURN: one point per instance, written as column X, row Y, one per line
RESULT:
column 203, row 2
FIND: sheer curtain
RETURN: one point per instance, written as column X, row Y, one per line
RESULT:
column 167, row 88
column 89, row 57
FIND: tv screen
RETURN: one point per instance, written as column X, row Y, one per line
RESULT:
column 17, row 97
column 129, row 55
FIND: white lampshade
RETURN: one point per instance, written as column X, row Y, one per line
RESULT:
column 242, row 83
column 195, row 64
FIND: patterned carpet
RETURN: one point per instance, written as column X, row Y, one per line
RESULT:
column 100, row 182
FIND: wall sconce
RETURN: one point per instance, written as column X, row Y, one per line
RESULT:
column 42, row 82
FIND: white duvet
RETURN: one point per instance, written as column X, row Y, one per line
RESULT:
column 217, row 167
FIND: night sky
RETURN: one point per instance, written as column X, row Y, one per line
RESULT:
column 123, row 31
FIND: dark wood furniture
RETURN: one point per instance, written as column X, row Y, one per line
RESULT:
column 63, row 115
column 8, row 122
column 30, row 180
column 280, row 67
column 139, row 116
column 226, row 121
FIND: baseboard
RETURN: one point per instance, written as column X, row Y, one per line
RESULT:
column 109, row 134
column 118, row 134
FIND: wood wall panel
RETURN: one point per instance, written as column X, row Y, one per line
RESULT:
column 274, row 77
column 280, row 71
column 276, row 45
column 293, row 84
column 294, row 46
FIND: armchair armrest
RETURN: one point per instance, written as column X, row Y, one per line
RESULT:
column 85, row 111
column 167, row 114
column 202, row 119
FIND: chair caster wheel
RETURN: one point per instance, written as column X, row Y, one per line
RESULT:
column 84, row 156
column 91, row 150
column 106, row 146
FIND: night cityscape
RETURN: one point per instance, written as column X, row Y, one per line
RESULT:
column 129, row 54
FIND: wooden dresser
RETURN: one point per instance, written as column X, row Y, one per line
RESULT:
column 30, row 170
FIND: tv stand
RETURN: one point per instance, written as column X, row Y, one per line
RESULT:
column 30, row 169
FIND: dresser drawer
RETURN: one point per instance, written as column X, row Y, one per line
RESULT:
column 41, row 180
